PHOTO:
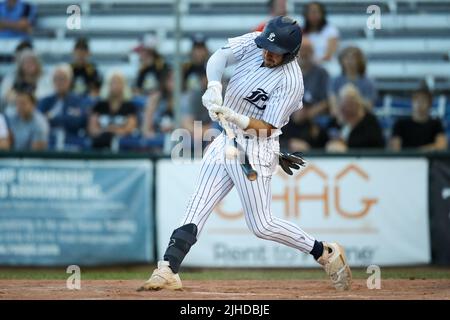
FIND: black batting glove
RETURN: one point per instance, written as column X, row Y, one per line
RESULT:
column 288, row 161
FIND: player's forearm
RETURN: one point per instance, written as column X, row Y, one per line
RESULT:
column 260, row 128
column 21, row 25
column 218, row 62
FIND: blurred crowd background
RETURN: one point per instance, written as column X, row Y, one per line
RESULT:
column 110, row 84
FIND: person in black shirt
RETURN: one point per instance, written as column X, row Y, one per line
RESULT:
column 114, row 115
column 194, row 71
column 86, row 79
column 152, row 67
column 419, row 130
column 356, row 128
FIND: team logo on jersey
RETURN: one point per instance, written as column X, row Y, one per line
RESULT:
column 271, row 37
column 255, row 96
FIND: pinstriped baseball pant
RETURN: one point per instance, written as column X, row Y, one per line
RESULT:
column 219, row 175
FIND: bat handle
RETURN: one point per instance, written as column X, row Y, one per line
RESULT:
column 226, row 126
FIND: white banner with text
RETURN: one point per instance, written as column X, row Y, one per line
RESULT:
column 375, row 207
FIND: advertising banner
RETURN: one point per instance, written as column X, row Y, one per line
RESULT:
column 83, row 212
column 375, row 207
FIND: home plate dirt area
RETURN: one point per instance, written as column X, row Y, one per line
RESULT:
column 226, row 290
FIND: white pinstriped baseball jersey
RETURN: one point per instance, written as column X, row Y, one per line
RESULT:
column 268, row 94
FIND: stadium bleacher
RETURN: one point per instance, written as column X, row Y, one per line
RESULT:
column 411, row 46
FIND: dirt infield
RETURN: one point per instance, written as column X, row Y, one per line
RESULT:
column 225, row 289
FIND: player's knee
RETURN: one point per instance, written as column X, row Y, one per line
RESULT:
column 262, row 233
column 181, row 241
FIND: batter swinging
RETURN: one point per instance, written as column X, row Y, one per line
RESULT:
column 265, row 89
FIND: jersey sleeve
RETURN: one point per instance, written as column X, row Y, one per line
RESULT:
column 243, row 44
column 284, row 101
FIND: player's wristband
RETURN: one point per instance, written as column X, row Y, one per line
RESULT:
column 241, row 121
column 214, row 84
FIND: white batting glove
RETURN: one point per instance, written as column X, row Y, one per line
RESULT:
column 229, row 115
column 213, row 94
column 213, row 116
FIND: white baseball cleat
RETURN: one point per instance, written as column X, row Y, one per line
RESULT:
column 162, row 278
column 335, row 264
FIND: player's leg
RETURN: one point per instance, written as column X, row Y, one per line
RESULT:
column 213, row 185
column 256, row 199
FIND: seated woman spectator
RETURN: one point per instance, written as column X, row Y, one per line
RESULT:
column 28, row 126
column 16, row 18
column 28, row 74
column 357, row 128
column 152, row 66
column 5, row 141
column 159, row 111
column 86, row 79
column 420, row 130
column 114, row 115
column 353, row 67
column 323, row 35
column 64, row 109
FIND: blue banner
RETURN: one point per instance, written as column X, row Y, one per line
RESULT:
column 83, row 212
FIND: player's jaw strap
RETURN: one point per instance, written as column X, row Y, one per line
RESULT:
column 180, row 243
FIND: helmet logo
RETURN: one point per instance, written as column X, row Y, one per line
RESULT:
column 271, row 37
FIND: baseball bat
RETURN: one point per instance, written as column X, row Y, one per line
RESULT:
column 249, row 172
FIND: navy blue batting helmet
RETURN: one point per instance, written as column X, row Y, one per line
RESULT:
column 281, row 35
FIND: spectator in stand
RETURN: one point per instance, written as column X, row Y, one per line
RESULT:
column 22, row 46
column 353, row 67
column 159, row 114
column 5, row 140
column 420, row 130
column 28, row 74
column 194, row 71
column 152, row 66
column 114, row 115
column 28, row 126
column 16, row 19
column 324, row 36
column 315, row 80
column 64, row 110
column 358, row 128
column 276, row 8
column 302, row 133
column 86, row 79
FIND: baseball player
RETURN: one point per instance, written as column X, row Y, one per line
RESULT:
column 265, row 89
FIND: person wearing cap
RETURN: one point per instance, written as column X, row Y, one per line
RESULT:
column 86, row 78
column 194, row 71
column 152, row 66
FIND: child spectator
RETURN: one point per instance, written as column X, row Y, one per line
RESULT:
column 420, row 130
